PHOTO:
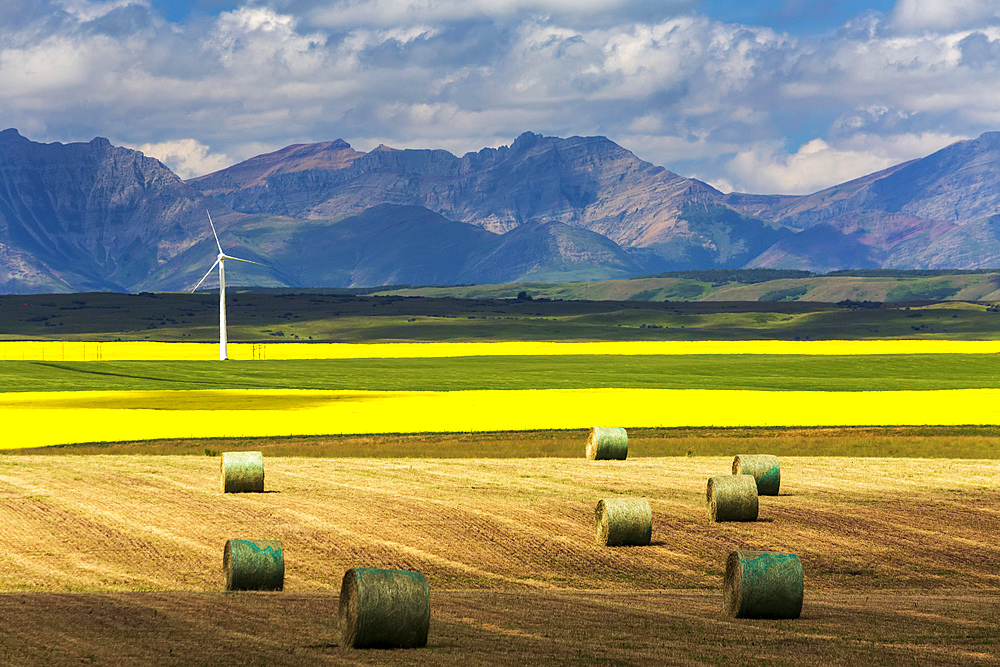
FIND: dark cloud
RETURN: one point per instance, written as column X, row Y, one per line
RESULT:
column 979, row 51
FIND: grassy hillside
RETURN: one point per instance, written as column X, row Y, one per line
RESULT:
column 350, row 318
column 748, row 286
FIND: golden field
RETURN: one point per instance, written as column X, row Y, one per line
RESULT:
column 157, row 351
column 34, row 419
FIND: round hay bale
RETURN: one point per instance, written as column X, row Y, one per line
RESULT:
column 242, row 472
column 623, row 522
column 763, row 584
column 732, row 498
column 764, row 469
column 253, row 565
column 384, row 608
column 607, row 443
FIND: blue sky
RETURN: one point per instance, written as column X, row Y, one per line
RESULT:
column 179, row 11
column 781, row 96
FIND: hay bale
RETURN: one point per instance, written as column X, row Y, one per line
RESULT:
column 623, row 522
column 253, row 565
column 384, row 608
column 764, row 469
column 606, row 443
column 242, row 472
column 732, row 498
column 763, row 584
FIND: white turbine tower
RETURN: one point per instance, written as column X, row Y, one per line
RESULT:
column 221, row 262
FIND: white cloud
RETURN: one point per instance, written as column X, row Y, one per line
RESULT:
column 186, row 157
column 676, row 88
column 817, row 164
column 943, row 15
column 251, row 38
column 813, row 166
column 89, row 10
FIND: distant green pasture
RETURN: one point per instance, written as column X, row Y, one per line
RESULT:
column 762, row 372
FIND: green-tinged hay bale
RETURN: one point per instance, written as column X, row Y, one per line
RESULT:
column 732, row 498
column 764, row 469
column 253, row 565
column 623, row 522
column 763, row 584
column 384, row 608
column 607, row 443
column 242, row 472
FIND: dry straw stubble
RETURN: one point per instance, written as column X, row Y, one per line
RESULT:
column 607, row 443
column 732, row 498
column 242, row 472
column 623, row 522
column 384, row 608
column 253, row 565
column 764, row 469
column 763, row 584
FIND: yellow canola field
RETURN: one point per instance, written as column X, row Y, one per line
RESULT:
column 51, row 418
column 154, row 351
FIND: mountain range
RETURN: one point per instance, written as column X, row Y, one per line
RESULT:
column 93, row 216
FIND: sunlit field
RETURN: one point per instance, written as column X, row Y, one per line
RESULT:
column 159, row 351
column 115, row 559
column 94, row 392
column 33, row 419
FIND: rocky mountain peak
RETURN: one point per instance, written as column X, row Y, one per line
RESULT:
column 91, row 215
column 100, row 215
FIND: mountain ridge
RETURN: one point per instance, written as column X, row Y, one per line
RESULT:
column 90, row 215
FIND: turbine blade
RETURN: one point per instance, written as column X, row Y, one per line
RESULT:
column 244, row 260
column 195, row 288
column 213, row 231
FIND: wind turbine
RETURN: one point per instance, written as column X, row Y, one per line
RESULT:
column 221, row 262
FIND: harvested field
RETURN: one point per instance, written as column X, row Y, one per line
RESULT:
column 116, row 558
column 501, row 628
column 159, row 523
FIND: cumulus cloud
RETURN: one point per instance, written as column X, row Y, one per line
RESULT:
column 717, row 100
column 816, row 164
column 186, row 157
column 811, row 167
column 937, row 15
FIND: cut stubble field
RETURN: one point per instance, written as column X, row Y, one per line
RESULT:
column 123, row 553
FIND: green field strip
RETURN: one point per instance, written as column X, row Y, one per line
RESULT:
column 759, row 372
